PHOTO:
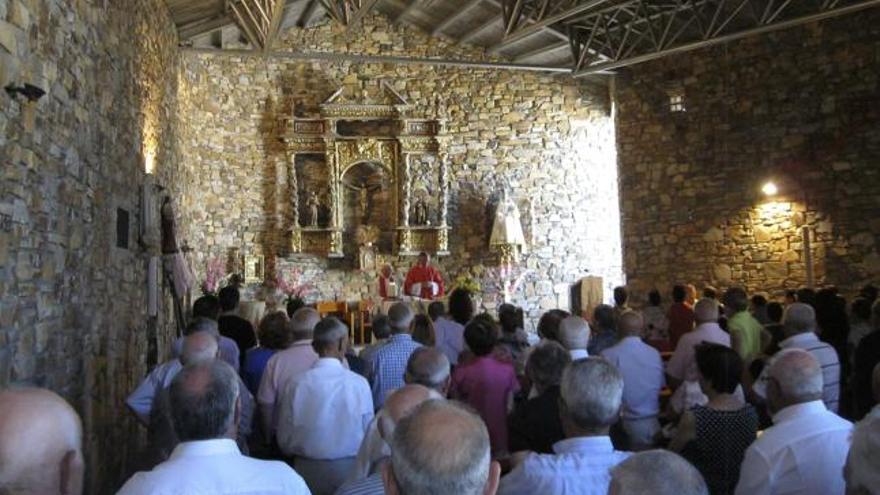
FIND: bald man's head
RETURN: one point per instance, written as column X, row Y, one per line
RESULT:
column 798, row 318
column 199, row 347
column 302, row 323
column 794, row 377
column 401, row 403
column 574, row 333
column 630, row 324
column 40, row 443
column 429, row 367
column 438, row 449
column 706, row 311
column 658, row 472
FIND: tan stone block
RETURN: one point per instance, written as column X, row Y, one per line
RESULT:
column 775, row 270
column 790, row 256
column 8, row 37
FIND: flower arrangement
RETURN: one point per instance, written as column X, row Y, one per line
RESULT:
column 506, row 279
column 215, row 276
column 290, row 283
column 468, row 283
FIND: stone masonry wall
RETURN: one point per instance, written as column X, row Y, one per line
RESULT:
column 801, row 107
column 549, row 136
column 72, row 305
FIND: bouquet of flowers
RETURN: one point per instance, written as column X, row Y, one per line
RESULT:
column 468, row 283
column 506, row 280
column 290, row 283
column 215, row 276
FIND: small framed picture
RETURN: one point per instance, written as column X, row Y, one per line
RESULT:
column 254, row 269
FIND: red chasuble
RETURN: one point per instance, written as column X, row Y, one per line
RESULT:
column 424, row 274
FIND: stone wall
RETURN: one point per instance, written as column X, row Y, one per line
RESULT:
column 72, row 304
column 799, row 107
column 550, row 137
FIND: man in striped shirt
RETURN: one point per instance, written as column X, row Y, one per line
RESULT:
column 799, row 327
column 389, row 362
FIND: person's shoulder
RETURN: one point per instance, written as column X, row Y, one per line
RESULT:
column 277, row 470
column 140, row 483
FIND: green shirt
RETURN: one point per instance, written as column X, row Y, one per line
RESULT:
column 747, row 330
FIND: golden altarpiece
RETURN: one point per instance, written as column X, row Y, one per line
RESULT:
column 361, row 152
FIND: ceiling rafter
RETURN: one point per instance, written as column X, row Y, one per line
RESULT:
column 348, row 12
column 526, row 18
column 259, row 20
column 684, row 25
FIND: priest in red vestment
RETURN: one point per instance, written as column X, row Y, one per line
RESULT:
column 424, row 281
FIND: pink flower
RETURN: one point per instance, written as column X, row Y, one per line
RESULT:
column 215, row 273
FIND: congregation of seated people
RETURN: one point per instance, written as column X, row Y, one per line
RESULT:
column 727, row 393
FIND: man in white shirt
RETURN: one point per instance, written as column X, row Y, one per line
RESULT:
column 862, row 471
column 441, row 448
column 375, row 448
column 591, row 394
column 574, row 335
column 658, row 472
column 642, row 369
column 805, row 449
column 149, row 401
column 324, row 412
column 799, row 328
column 40, row 444
column 681, row 370
column 204, row 404
column 287, row 364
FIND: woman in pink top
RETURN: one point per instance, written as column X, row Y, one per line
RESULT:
column 485, row 383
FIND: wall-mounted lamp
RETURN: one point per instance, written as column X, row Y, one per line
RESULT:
column 29, row 91
column 770, row 189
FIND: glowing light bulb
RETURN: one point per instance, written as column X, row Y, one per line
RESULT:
column 770, row 189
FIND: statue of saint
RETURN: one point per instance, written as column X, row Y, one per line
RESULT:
column 420, row 211
column 313, row 204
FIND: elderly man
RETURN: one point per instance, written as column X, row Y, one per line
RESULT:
column 428, row 367
column 642, row 369
column 591, row 394
column 149, row 401
column 745, row 330
column 574, row 335
column 389, row 362
column 681, row 371
column 208, row 308
column 862, row 470
column 285, row 365
column 40, row 444
column 534, row 425
column 867, row 357
column 375, row 448
column 799, row 328
column 324, row 412
column 423, row 280
column 658, row 472
column 805, row 449
column 441, row 448
column 204, row 402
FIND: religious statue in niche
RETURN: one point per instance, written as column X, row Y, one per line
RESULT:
column 313, row 205
column 420, row 210
column 365, row 200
